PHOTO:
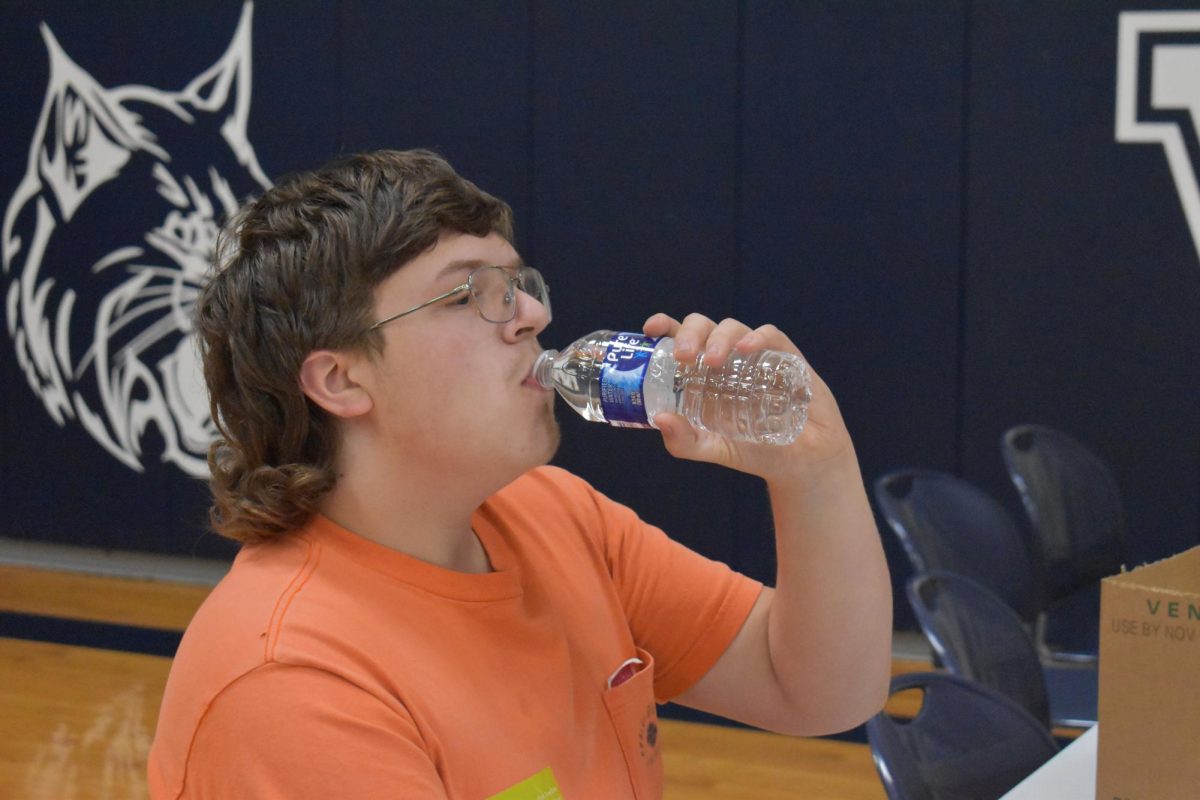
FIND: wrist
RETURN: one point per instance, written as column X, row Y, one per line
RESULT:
column 814, row 472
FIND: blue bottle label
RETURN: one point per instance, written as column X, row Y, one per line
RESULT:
column 621, row 379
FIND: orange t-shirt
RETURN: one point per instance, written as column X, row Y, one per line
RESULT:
column 325, row 665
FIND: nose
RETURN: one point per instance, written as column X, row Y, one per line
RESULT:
column 531, row 318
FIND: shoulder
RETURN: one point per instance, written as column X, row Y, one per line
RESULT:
column 226, row 628
column 548, row 481
column 552, row 493
column 556, row 486
column 230, row 635
column 263, row 700
column 558, row 503
column 226, row 635
column 255, row 735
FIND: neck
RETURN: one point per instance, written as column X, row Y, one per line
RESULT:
column 412, row 510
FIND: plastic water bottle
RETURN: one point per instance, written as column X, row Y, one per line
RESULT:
column 625, row 379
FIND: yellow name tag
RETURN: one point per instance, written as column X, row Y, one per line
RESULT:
column 540, row 787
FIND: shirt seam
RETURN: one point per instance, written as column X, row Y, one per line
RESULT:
column 282, row 664
column 312, row 559
column 403, row 582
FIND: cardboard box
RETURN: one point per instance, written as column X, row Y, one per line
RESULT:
column 1149, row 746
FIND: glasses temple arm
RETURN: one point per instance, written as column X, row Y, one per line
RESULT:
column 456, row 290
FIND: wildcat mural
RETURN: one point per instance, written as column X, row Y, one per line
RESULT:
column 107, row 240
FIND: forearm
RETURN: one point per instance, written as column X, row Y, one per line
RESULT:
column 830, row 624
column 814, row 655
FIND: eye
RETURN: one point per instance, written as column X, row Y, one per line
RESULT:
column 459, row 300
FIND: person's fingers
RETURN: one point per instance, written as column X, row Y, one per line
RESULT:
column 721, row 341
column 660, row 324
column 766, row 337
column 698, row 334
column 692, row 336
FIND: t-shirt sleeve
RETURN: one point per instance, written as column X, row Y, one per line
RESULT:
column 296, row 732
column 683, row 608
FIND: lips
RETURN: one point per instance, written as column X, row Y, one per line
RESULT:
column 529, row 379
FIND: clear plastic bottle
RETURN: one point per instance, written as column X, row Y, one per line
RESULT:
column 625, row 379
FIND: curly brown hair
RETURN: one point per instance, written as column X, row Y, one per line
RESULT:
column 296, row 271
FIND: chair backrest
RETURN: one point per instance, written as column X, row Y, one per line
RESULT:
column 978, row 637
column 1073, row 503
column 947, row 524
column 967, row 742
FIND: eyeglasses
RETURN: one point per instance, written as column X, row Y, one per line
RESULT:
column 495, row 292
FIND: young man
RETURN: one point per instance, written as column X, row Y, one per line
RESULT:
column 422, row 608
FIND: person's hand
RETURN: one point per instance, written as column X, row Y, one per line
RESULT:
column 824, row 436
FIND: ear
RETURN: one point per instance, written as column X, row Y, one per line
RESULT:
column 325, row 379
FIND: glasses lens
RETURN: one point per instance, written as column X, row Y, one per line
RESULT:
column 533, row 284
column 495, row 291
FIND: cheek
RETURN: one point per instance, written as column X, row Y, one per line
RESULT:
column 453, row 383
column 452, row 389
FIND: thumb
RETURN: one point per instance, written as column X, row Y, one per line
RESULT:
column 679, row 437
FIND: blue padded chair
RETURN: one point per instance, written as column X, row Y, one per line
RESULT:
column 978, row 637
column 1078, row 523
column 947, row 524
column 967, row 742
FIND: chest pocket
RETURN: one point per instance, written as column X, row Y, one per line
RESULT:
column 634, row 716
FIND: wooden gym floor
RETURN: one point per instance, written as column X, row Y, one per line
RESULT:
column 77, row 718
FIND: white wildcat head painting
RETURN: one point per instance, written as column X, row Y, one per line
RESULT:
column 107, row 241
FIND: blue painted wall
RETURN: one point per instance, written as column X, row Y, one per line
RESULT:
column 928, row 196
